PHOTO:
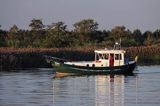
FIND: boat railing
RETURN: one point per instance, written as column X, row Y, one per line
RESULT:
column 49, row 59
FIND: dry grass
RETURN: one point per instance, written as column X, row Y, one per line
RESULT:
column 141, row 51
column 144, row 51
column 11, row 58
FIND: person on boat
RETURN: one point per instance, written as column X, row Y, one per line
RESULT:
column 126, row 59
column 111, row 61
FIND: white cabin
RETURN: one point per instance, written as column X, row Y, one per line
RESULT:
column 108, row 58
column 103, row 58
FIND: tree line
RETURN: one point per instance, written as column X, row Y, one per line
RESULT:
column 85, row 33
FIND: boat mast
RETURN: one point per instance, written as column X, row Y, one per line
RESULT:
column 117, row 46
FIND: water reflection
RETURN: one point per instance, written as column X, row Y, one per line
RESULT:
column 89, row 91
column 109, row 90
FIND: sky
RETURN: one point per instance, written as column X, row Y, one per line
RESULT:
column 133, row 14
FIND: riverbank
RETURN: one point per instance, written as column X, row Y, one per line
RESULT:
column 21, row 58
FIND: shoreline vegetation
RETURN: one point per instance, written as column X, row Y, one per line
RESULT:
column 22, row 58
column 24, row 48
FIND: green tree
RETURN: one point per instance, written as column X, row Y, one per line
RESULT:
column 85, row 31
column 128, row 39
column 57, row 35
column 58, row 27
column 37, row 33
column 12, row 37
column 156, row 35
column 148, row 38
column 36, row 24
column 3, row 35
column 22, row 37
column 138, row 37
column 117, row 33
column 120, row 34
column 86, row 26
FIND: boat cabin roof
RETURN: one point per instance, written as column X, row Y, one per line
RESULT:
column 107, row 51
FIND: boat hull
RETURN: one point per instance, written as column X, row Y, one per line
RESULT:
column 72, row 69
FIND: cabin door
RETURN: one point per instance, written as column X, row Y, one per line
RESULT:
column 111, row 60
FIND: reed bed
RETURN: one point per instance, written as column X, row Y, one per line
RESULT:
column 143, row 50
column 13, row 58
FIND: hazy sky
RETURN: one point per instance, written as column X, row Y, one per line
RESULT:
column 141, row 14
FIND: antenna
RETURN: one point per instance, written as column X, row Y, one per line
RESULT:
column 120, row 43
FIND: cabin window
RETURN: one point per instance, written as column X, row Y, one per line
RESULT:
column 99, row 56
column 96, row 57
column 93, row 65
column 87, row 65
column 102, row 56
column 106, row 56
column 118, row 57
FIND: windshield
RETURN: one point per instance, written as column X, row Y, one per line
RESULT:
column 101, row 56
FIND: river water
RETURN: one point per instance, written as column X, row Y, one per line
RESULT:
column 37, row 87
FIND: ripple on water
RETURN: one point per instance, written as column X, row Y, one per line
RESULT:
column 37, row 88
